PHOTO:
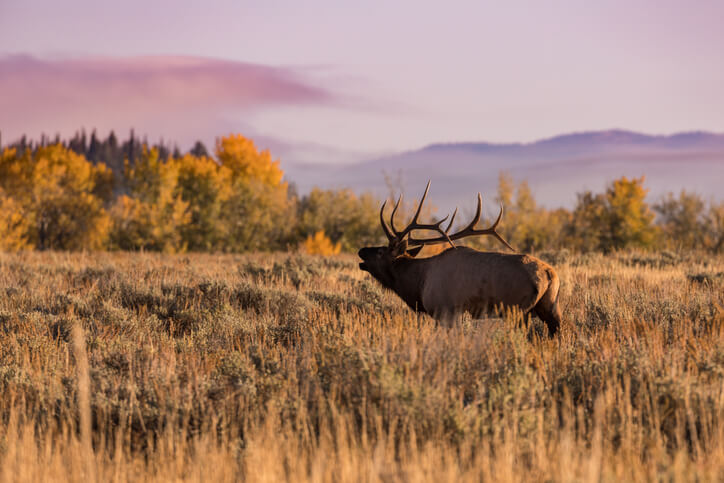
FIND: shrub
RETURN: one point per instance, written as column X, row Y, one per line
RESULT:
column 319, row 244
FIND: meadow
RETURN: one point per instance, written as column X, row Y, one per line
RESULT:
column 285, row 367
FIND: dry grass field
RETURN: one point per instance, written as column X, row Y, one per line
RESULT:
column 117, row 367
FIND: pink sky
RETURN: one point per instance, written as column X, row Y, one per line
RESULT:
column 339, row 80
column 184, row 97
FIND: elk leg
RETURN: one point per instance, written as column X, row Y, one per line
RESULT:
column 548, row 312
column 445, row 318
column 546, row 308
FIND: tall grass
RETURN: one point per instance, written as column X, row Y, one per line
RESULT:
column 118, row 367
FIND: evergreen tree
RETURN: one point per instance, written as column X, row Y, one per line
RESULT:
column 94, row 149
column 199, row 150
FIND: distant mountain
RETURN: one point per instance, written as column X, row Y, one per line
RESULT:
column 556, row 168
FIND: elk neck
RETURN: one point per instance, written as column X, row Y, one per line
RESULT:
column 408, row 278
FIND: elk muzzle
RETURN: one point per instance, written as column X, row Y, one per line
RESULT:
column 365, row 254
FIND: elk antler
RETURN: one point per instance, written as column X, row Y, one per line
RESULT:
column 388, row 232
column 467, row 231
column 395, row 235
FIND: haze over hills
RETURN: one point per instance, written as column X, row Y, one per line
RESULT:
column 556, row 168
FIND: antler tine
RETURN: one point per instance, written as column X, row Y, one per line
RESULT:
column 470, row 229
column 392, row 216
column 385, row 228
column 451, row 220
column 413, row 223
column 476, row 218
column 500, row 216
column 495, row 233
column 422, row 200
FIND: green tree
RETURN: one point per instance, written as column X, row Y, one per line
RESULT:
column 682, row 219
column 527, row 226
column 584, row 232
column 257, row 217
column 528, row 218
column 714, row 223
column 344, row 217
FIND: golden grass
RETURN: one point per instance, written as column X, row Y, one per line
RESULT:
column 117, row 367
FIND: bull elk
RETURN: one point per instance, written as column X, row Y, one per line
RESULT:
column 460, row 278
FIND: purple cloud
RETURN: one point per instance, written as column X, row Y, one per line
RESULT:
column 181, row 98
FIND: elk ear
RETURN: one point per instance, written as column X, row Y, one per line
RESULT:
column 414, row 251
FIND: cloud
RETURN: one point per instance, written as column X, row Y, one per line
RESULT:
column 180, row 98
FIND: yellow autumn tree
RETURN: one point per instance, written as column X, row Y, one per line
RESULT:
column 205, row 187
column 258, row 214
column 61, row 195
column 319, row 244
column 617, row 219
column 245, row 161
column 14, row 225
column 152, row 217
column 235, row 203
column 14, row 222
column 528, row 226
column 629, row 218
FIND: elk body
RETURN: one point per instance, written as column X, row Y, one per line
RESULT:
column 461, row 279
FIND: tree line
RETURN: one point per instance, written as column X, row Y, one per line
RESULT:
column 63, row 195
column 90, row 194
column 618, row 218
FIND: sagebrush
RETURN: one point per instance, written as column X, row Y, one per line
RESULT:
column 288, row 367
